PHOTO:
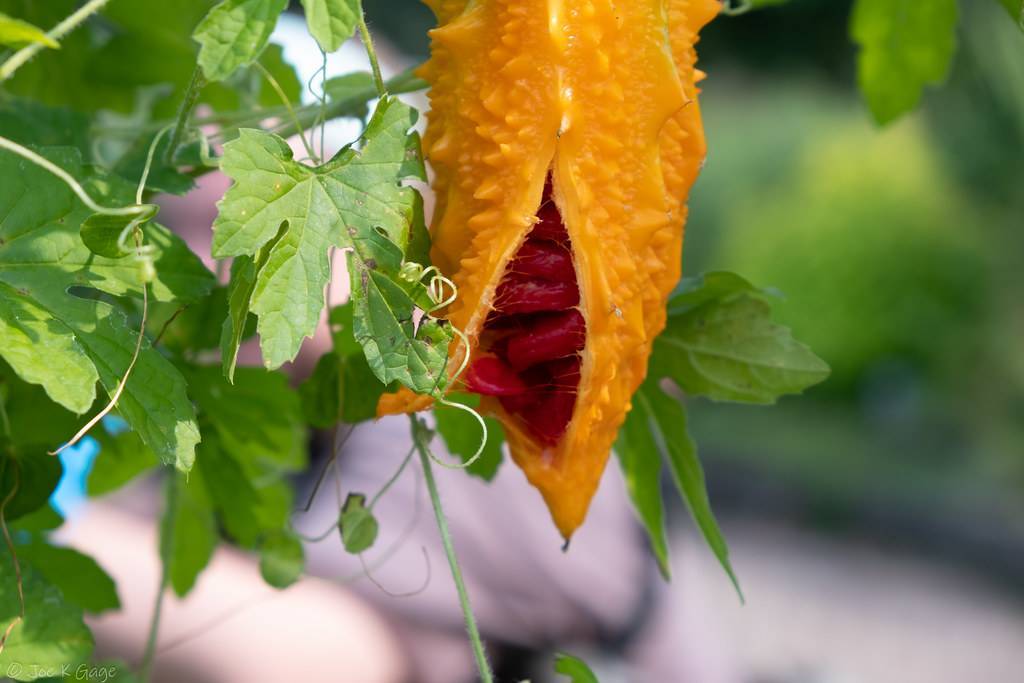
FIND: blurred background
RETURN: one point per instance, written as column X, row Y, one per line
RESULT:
column 876, row 522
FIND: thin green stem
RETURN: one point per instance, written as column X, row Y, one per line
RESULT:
column 394, row 477
column 421, row 437
column 402, row 83
column 69, row 24
column 288, row 105
column 323, row 103
column 166, row 552
column 188, row 103
column 371, row 53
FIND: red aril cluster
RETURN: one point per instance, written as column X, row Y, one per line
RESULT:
column 531, row 341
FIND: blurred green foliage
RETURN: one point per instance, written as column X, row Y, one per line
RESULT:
column 870, row 242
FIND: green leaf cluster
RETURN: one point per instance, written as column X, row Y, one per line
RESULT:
column 254, row 437
column 54, row 329
column 50, row 635
column 719, row 343
column 281, row 219
column 235, row 32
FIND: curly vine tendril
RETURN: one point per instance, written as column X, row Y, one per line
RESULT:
column 414, row 272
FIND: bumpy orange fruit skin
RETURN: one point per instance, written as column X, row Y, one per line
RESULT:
column 602, row 94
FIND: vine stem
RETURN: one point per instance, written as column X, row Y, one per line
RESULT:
column 166, row 552
column 14, row 555
column 69, row 24
column 288, row 106
column 371, row 53
column 188, row 103
column 421, row 438
column 24, row 152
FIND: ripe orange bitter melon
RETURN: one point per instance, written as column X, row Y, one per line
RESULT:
column 564, row 136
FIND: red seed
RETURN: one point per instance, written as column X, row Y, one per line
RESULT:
column 536, row 381
column 549, row 416
column 521, row 295
column 549, row 224
column 490, row 376
column 552, row 336
column 517, row 404
column 534, row 328
column 565, row 374
column 547, row 260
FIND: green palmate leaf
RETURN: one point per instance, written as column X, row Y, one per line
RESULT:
column 51, row 635
column 332, row 205
column 28, row 475
column 905, row 46
column 15, row 32
column 728, row 349
column 188, row 531
column 234, row 34
column 1016, row 10
column 281, row 559
column 665, row 420
column 81, row 580
column 42, row 258
column 357, row 524
column 575, row 668
column 332, row 22
column 286, row 216
column 462, row 434
column 122, row 457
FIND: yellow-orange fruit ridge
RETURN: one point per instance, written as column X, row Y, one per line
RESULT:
column 602, row 94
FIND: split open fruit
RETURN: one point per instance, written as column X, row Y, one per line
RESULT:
column 564, row 137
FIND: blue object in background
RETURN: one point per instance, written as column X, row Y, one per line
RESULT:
column 70, row 496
